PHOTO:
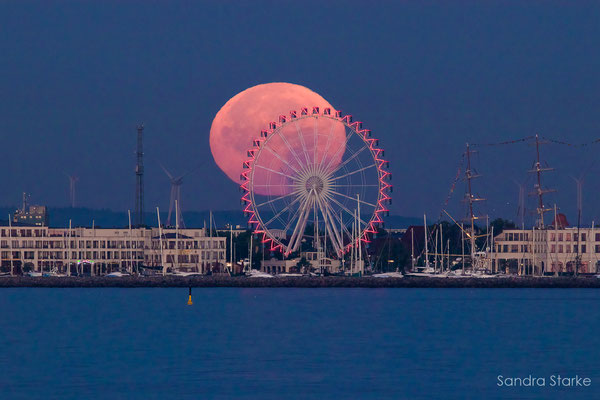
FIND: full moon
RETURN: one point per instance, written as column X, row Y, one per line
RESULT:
column 241, row 119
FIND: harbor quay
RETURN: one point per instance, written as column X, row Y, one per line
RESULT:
column 280, row 281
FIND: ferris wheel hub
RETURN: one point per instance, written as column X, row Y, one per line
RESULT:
column 315, row 183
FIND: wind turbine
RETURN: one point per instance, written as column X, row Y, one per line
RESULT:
column 176, row 183
column 72, row 181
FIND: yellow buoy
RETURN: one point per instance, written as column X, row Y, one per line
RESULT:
column 189, row 303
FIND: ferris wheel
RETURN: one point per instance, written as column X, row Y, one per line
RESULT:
column 315, row 176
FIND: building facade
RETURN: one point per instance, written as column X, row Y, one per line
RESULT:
column 551, row 251
column 98, row 251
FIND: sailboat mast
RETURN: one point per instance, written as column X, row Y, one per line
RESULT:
column 251, row 251
column 412, row 248
column 426, row 246
column 10, row 245
column 130, row 243
column 210, row 242
column 471, row 215
column 359, row 233
column 441, row 247
column 160, row 235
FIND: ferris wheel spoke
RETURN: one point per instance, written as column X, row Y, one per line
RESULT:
column 291, row 150
column 279, row 213
column 330, row 225
column 352, row 157
column 343, row 207
column 299, row 131
column 353, row 172
column 282, row 159
column 274, row 184
column 291, row 220
column 353, row 185
column 275, row 199
column 315, row 142
column 300, row 226
column 353, row 199
column 277, row 172
column 327, row 146
column 342, row 146
column 344, row 228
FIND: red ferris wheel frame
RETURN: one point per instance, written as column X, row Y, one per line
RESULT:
column 382, row 165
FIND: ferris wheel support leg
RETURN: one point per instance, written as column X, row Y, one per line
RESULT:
column 299, row 228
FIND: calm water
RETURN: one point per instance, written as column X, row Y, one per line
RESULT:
column 295, row 343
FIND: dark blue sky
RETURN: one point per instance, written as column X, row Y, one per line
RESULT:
column 76, row 77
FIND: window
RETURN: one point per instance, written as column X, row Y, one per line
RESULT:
column 575, row 237
column 552, row 237
column 560, row 237
column 574, row 248
column 597, row 237
column 505, row 249
column 560, row 248
column 597, row 248
column 514, row 248
column 583, row 237
column 568, row 239
column 583, row 248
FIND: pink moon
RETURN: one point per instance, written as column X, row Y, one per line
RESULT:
column 242, row 118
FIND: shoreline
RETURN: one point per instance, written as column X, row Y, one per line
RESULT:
column 298, row 282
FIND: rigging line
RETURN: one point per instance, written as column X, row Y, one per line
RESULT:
column 505, row 142
column 453, row 186
column 571, row 144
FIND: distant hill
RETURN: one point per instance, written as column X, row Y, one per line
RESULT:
column 104, row 218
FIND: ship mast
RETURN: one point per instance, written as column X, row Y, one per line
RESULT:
column 471, row 199
column 537, row 169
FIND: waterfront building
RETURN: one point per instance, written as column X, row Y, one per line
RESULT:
column 31, row 215
column 556, row 250
column 99, row 250
column 314, row 263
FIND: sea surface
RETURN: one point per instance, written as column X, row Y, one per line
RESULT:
column 294, row 343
